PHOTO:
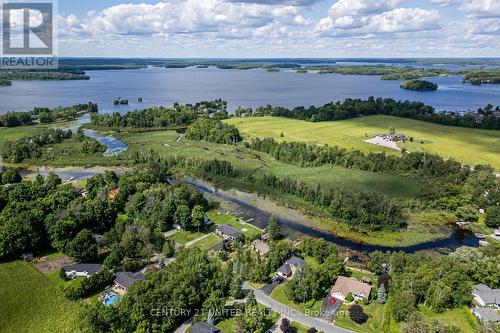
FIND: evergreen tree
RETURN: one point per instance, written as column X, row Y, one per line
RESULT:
column 273, row 228
column 381, row 294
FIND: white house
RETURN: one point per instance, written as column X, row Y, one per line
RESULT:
column 486, row 296
column 85, row 270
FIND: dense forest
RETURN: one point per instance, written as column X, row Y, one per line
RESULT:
column 419, row 85
column 368, row 211
column 161, row 117
column 485, row 118
column 440, row 283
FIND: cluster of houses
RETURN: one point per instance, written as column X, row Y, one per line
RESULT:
column 489, row 303
column 392, row 137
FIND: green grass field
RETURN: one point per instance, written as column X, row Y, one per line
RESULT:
column 375, row 312
column 68, row 153
column 246, row 161
column 311, row 308
column 469, row 146
column 208, row 242
column 31, row 303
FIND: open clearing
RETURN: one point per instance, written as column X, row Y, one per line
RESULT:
column 31, row 303
column 469, row 146
column 247, row 161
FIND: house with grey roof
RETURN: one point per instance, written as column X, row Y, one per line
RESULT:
column 290, row 267
column 202, row 327
column 487, row 314
column 228, row 232
column 84, row 270
column 125, row 280
column 485, row 296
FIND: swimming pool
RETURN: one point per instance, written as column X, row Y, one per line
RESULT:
column 110, row 299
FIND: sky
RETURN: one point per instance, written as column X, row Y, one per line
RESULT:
column 279, row 28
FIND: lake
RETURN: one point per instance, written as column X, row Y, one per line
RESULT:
column 246, row 88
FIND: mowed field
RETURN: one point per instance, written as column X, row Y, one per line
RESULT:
column 469, row 146
column 29, row 302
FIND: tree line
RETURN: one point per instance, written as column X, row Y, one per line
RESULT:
column 484, row 118
column 162, row 117
column 31, row 147
column 213, row 131
column 46, row 115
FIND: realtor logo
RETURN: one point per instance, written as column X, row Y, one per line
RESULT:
column 29, row 35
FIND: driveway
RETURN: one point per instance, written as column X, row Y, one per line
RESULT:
column 294, row 315
column 329, row 310
column 268, row 288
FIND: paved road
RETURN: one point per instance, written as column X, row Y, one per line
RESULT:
column 294, row 315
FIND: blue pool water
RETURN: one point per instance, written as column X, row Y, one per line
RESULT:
column 110, row 299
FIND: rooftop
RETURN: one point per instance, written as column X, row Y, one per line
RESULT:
column 226, row 229
column 203, row 327
column 89, row 268
column 487, row 314
column 345, row 285
column 127, row 279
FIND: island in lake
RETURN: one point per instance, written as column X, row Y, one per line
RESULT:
column 419, row 85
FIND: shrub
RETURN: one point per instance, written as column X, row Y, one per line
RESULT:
column 349, row 297
column 357, row 314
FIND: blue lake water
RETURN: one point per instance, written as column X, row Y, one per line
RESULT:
column 246, row 88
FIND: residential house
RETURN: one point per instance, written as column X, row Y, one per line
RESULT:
column 486, row 314
column 125, row 280
column 85, row 270
column 486, row 296
column 345, row 285
column 202, row 327
column 260, row 247
column 290, row 267
column 228, row 232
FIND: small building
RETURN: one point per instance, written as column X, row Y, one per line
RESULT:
column 290, row 267
column 497, row 232
column 345, row 285
column 366, row 280
column 485, row 296
column 265, row 237
column 125, row 280
column 486, row 315
column 260, row 247
column 97, row 237
column 203, row 327
column 207, row 221
column 84, row 270
column 27, row 256
column 228, row 232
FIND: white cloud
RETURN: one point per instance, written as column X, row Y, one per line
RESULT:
column 361, row 7
column 481, row 8
column 189, row 16
column 404, row 20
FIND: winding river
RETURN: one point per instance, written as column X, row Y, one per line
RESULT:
column 256, row 210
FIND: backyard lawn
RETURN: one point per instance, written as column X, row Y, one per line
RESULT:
column 247, row 229
column 375, row 312
column 208, row 242
column 299, row 328
column 184, row 236
column 29, row 302
column 227, row 325
column 311, row 308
